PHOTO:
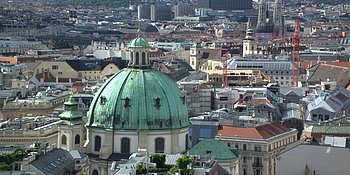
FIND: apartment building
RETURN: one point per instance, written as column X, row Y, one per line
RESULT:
column 258, row 146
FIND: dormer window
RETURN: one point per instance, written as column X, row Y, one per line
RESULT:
column 103, row 100
column 127, row 102
column 157, row 102
column 183, row 99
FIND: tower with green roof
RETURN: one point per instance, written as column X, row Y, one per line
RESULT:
column 71, row 129
column 249, row 42
column 196, row 53
column 137, row 110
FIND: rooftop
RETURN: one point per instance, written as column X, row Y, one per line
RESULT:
column 258, row 132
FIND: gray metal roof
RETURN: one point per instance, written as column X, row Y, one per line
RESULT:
column 57, row 161
column 285, row 90
column 270, row 65
column 321, row 159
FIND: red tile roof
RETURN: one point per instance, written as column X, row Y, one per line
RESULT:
column 306, row 65
column 259, row 132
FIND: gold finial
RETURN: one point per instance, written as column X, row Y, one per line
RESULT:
column 138, row 29
column 70, row 92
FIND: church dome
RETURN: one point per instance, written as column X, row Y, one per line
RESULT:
column 138, row 99
column 139, row 43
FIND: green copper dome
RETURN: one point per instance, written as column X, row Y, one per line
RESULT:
column 139, row 43
column 138, row 99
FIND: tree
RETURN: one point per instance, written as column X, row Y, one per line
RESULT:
column 159, row 160
column 183, row 161
column 140, row 169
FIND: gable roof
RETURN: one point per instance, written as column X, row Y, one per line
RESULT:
column 285, row 90
column 259, row 132
column 326, row 72
column 338, row 100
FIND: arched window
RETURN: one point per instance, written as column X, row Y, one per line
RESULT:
column 143, row 58
column 97, row 143
column 77, row 139
column 64, row 140
column 159, row 145
column 95, row 172
column 137, row 58
column 186, row 141
column 125, row 145
column 132, row 57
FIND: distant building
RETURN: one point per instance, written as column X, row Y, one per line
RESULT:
column 329, row 107
column 197, row 95
column 161, row 12
column 183, row 10
column 279, row 71
column 202, row 127
column 258, row 146
column 144, row 11
column 225, row 4
column 319, row 132
column 237, row 78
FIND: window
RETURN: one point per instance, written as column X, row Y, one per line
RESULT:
column 103, row 100
column 326, row 117
column 137, row 58
column 236, row 145
column 223, row 98
column 132, row 58
column 204, row 133
column 125, row 146
column 77, row 139
column 159, row 145
column 244, row 159
column 244, row 146
column 257, row 172
column 143, row 58
column 59, row 73
column 97, row 143
column 95, row 172
column 54, row 67
column 157, row 102
column 245, row 171
column 64, row 140
column 229, row 144
column 257, row 148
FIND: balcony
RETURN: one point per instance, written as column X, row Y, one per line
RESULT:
column 257, row 164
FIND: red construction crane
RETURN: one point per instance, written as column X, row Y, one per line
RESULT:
column 224, row 68
column 295, row 54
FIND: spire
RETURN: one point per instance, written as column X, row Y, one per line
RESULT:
column 249, row 32
column 262, row 15
column 249, row 24
column 277, row 18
